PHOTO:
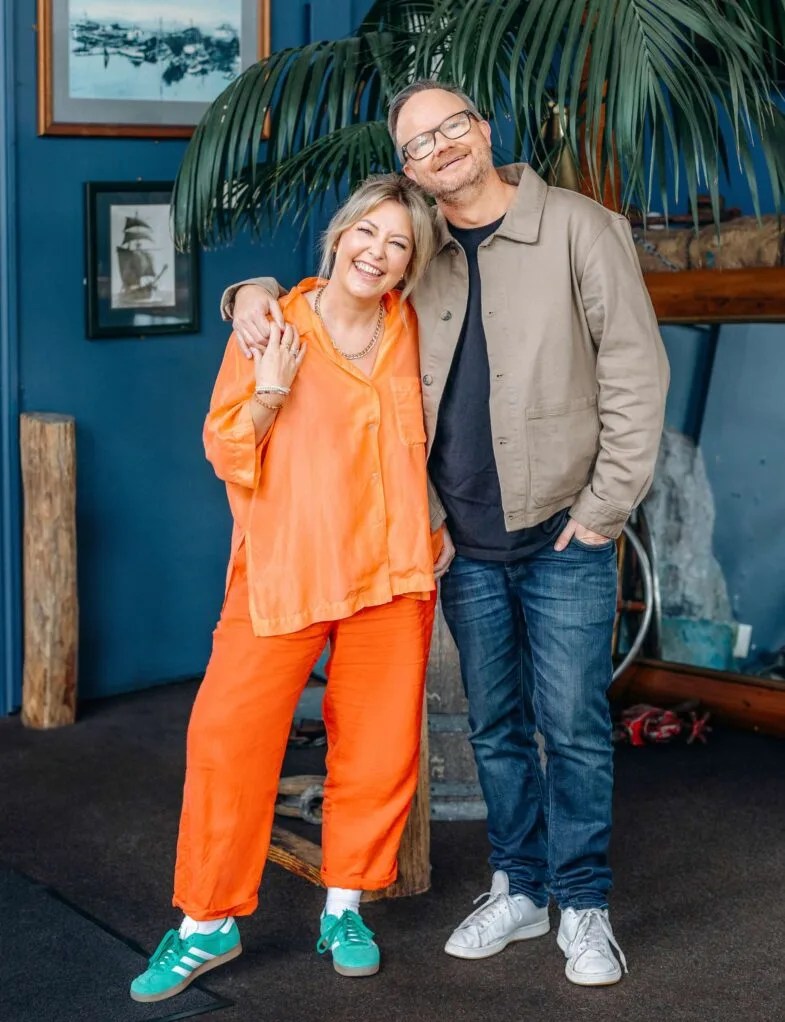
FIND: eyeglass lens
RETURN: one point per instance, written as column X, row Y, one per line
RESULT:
column 453, row 127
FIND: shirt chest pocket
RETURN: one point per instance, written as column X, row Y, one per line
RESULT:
column 407, row 399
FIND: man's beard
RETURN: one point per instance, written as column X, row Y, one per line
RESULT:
column 451, row 192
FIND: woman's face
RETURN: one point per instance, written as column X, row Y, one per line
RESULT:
column 373, row 255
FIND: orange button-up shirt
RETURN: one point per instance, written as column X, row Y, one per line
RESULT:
column 332, row 505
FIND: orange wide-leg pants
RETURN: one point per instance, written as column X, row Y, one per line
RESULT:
column 238, row 733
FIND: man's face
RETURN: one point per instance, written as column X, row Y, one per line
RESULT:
column 455, row 165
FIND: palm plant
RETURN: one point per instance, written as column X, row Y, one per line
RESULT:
column 640, row 86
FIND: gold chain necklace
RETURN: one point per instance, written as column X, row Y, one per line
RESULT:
column 368, row 347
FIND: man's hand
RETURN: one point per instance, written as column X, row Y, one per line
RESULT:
column 254, row 309
column 444, row 560
column 573, row 528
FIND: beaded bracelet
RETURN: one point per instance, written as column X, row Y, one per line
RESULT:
column 266, row 404
column 286, row 391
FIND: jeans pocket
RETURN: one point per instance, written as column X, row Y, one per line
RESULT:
column 593, row 546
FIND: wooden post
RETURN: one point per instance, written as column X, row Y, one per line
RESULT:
column 48, row 458
column 414, row 855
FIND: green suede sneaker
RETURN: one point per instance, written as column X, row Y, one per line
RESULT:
column 178, row 961
column 355, row 953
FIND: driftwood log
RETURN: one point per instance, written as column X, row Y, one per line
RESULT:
column 304, row 857
column 51, row 615
column 414, row 856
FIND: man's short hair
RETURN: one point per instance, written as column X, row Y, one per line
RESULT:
column 424, row 85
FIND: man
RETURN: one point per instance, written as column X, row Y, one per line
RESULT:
column 544, row 381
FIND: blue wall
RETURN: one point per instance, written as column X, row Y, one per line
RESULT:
column 153, row 527
column 152, row 520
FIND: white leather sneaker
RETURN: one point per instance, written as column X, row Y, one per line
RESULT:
column 503, row 918
column 586, row 938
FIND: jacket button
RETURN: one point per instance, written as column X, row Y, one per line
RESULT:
column 446, row 315
column 427, row 380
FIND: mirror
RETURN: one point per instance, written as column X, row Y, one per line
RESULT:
column 714, row 521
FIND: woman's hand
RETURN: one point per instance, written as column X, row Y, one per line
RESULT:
column 255, row 311
column 281, row 360
column 446, row 555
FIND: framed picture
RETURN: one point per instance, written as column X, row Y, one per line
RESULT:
column 141, row 67
column 693, row 277
column 137, row 283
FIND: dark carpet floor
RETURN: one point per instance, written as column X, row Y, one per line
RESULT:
column 699, row 905
column 74, row 963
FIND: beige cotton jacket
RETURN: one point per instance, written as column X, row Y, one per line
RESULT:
column 577, row 365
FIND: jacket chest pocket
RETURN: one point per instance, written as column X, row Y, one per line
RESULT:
column 407, row 399
column 563, row 443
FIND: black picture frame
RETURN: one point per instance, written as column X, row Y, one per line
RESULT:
column 137, row 284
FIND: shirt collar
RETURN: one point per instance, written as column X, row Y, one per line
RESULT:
column 522, row 220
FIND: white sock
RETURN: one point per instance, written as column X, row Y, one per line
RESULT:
column 340, row 900
column 189, row 926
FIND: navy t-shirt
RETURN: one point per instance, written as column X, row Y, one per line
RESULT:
column 461, row 464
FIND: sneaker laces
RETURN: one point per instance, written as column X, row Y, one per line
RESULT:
column 594, row 933
column 348, row 928
column 497, row 903
column 168, row 951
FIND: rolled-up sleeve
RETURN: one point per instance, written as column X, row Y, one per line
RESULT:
column 229, row 435
column 227, row 298
column 436, row 510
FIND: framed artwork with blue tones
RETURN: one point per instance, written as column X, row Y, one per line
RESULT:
column 137, row 283
column 141, row 68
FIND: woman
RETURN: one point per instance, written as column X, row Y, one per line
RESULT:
column 321, row 444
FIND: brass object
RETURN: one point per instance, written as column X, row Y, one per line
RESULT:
column 563, row 171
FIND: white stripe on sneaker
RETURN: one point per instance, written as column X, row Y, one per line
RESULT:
column 182, row 972
column 192, row 962
column 197, row 951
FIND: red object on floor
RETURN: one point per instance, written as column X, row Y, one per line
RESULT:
column 643, row 724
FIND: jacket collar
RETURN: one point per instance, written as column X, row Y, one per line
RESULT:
column 522, row 220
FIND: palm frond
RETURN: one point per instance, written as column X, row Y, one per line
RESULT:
column 641, row 86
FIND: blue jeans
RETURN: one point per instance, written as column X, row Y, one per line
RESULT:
column 534, row 638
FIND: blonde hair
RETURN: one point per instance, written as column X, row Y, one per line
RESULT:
column 371, row 193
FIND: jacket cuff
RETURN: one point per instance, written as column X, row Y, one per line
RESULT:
column 598, row 515
column 436, row 511
column 229, row 295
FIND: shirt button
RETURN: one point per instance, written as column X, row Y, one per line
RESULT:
column 371, row 424
column 446, row 315
column 427, row 380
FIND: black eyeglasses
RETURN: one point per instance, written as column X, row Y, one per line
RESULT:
column 423, row 145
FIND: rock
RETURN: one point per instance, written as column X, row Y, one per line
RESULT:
column 680, row 513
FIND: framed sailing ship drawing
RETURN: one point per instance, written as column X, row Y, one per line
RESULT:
column 137, row 283
column 139, row 67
